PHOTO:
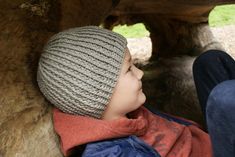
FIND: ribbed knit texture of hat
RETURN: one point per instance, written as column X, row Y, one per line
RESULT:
column 79, row 69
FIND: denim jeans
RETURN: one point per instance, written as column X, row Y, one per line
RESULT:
column 214, row 77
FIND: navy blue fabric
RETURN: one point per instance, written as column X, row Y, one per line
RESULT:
column 214, row 76
column 221, row 118
column 171, row 118
column 209, row 69
column 130, row 146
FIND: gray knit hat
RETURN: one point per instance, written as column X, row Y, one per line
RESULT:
column 79, row 69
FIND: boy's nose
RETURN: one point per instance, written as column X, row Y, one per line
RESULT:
column 139, row 73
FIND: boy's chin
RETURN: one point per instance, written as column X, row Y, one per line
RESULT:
column 142, row 98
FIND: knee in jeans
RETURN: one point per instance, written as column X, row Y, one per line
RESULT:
column 221, row 100
column 210, row 56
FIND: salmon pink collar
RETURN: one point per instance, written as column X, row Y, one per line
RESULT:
column 76, row 130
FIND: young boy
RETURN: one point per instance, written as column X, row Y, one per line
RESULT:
column 88, row 75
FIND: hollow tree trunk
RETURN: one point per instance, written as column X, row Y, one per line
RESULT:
column 25, row 116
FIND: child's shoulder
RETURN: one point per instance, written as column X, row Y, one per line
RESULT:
column 125, row 147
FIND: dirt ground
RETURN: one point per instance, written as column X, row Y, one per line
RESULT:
column 226, row 36
column 141, row 47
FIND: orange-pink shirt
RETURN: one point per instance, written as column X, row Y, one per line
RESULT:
column 168, row 138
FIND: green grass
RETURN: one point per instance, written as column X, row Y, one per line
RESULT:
column 222, row 15
column 134, row 31
column 219, row 16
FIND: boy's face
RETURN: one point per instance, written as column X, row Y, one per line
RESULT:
column 127, row 95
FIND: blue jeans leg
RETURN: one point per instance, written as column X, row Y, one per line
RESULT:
column 210, row 69
column 221, row 119
column 214, row 77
